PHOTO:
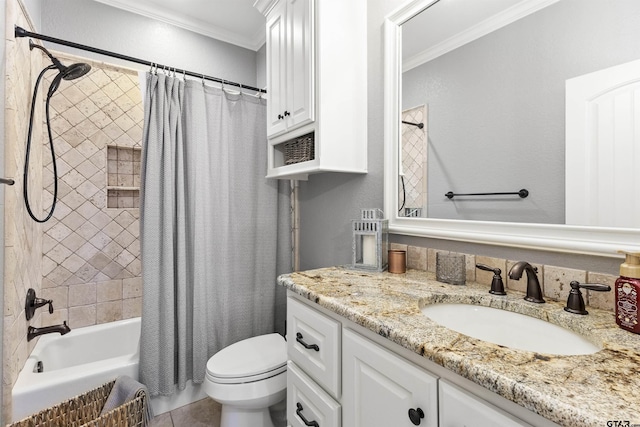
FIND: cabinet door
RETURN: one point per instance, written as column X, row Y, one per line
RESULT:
column 380, row 388
column 276, row 68
column 459, row 408
column 299, row 107
column 307, row 403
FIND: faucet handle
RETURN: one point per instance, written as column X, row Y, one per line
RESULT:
column 575, row 302
column 32, row 303
column 497, row 286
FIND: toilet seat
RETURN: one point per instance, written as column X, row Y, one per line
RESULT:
column 249, row 360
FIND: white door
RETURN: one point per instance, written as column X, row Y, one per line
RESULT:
column 380, row 388
column 603, row 147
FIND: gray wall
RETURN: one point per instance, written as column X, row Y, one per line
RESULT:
column 261, row 67
column 497, row 111
column 105, row 27
column 330, row 201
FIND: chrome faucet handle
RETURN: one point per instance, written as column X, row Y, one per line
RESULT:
column 575, row 302
column 497, row 286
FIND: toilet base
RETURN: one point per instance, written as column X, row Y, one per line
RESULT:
column 234, row 417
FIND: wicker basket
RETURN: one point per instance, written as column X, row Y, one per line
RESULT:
column 298, row 150
column 84, row 411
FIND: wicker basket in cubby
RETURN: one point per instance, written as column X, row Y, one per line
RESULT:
column 301, row 149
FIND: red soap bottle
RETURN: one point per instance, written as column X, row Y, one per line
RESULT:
column 627, row 290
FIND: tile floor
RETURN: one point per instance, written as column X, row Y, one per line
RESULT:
column 206, row 412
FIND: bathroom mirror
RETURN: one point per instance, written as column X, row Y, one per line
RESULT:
column 494, row 139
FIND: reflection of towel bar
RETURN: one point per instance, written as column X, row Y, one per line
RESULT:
column 7, row 181
column 522, row 193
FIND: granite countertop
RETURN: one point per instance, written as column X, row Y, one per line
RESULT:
column 585, row 390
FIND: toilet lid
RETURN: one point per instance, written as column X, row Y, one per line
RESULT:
column 252, row 357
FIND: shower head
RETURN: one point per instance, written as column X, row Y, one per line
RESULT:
column 75, row 71
column 70, row 72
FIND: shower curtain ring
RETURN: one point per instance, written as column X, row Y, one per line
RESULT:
column 240, row 88
column 203, row 80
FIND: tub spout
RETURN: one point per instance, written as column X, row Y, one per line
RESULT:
column 34, row 332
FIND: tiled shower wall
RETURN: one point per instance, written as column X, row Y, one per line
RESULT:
column 23, row 237
column 87, row 257
column 414, row 163
column 91, row 252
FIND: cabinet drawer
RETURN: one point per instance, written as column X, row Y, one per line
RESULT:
column 313, row 343
column 308, row 402
column 383, row 389
column 459, row 408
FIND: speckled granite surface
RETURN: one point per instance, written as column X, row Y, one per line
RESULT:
column 585, row 390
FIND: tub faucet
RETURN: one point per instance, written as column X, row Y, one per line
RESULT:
column 534, row 292
column 34, row 332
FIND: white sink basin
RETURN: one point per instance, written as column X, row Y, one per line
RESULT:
column 509, row 329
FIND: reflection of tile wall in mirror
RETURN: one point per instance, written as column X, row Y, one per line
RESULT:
column 123, row 171
column 414, row 163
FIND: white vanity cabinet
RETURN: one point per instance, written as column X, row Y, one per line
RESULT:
column 382, row 389
column 356, row 378
column 316, row 84
column 313, row 370
column 459, row 408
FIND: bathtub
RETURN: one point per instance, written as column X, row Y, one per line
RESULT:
column 75, row 363
column 83, row 359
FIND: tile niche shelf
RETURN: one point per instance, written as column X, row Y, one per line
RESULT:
column 123, row 177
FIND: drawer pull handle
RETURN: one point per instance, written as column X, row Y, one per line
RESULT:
column 415, row 415
column 304, row 420
column 305, row 345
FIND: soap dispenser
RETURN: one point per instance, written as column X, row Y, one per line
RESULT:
column 628, row 293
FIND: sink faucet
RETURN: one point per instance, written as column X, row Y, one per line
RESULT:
column 534, row 292
column 34, row 332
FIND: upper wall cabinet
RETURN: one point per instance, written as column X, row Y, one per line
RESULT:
column 317, row 86
column 290, row 61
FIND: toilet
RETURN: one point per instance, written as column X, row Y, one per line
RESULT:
column 247, row 378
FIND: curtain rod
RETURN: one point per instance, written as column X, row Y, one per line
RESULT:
column 21, row 32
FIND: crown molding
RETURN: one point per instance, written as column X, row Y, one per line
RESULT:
column 264, row 6
column 254, row 43
column 499, row 20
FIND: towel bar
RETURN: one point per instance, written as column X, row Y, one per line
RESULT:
column 522, row 193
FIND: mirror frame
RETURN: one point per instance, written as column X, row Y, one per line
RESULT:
column 599, row 241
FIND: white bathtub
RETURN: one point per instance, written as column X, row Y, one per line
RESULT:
column 74, row 363
column 81, row 360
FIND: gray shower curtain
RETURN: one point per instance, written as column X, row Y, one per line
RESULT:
column 214, row 231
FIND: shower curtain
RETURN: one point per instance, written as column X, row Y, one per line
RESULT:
column 214, row 231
